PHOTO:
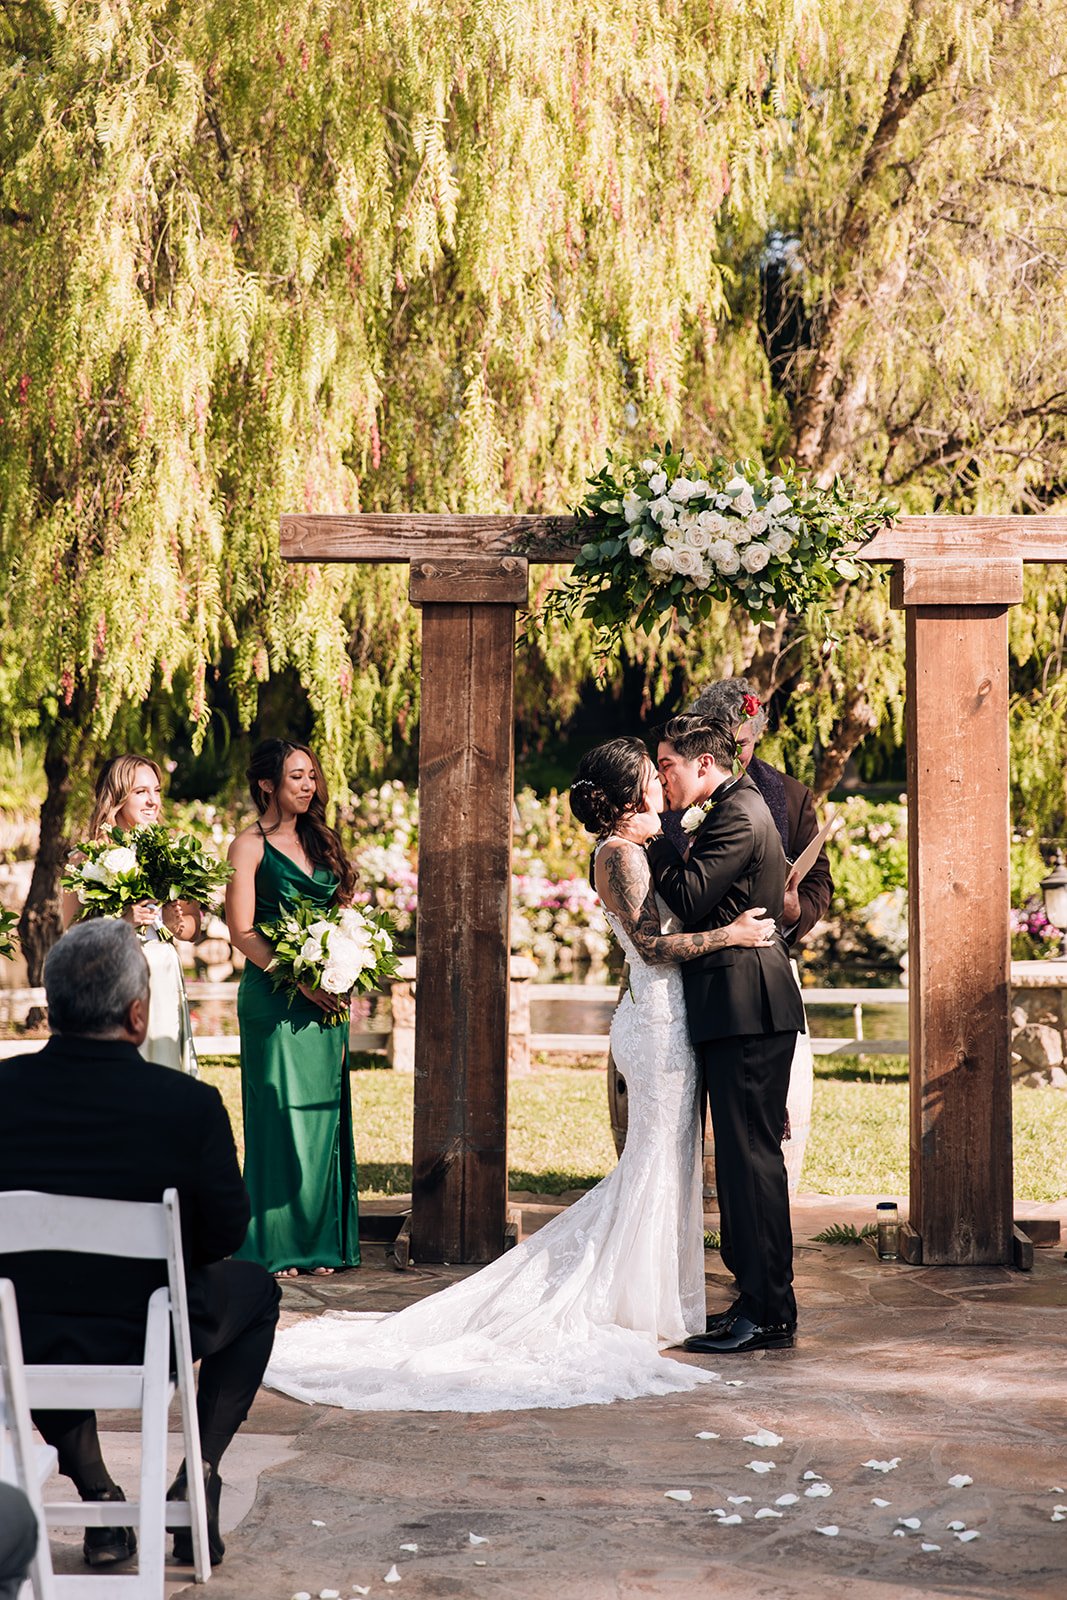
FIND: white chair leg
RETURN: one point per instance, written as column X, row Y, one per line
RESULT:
column 156, row 1405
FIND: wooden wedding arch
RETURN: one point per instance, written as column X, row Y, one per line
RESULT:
column 956, row 578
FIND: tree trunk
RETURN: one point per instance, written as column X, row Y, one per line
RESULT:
column 40, row 924
column 856, row 721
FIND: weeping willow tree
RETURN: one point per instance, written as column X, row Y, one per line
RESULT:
column 399, row 255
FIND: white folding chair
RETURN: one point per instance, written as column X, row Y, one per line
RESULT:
column 32, row 1221
column 22, row 1462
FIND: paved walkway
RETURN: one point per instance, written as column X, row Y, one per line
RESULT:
column 951, row 1370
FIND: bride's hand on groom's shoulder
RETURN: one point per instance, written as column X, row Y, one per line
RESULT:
column 753, row 927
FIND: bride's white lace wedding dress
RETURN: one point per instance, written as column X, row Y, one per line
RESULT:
column 578, row 1313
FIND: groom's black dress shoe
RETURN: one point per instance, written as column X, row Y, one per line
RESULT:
column 744, row 1335
column 722, row 1321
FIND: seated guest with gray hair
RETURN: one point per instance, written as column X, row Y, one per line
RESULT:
column 87, row 1115
column 791, row 804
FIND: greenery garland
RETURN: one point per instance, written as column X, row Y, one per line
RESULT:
column 665, row 537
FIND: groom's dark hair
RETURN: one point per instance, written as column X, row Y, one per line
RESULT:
column 694, row 736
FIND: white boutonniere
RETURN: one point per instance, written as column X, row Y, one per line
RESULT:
column 692, row 819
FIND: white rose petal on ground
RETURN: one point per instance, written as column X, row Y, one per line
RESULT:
column 329, row 1594
column 476, row 1538
column 808, row 1476
column 482, row 1563
column 1056, row 1490
column 883, row 1466
column 707, row 1435
column 925, row 1546
column 768, row 1511
column 764, row 1439
column 1058, row 1516
column 831, row 1530
column 740, row 1499
column 1059, row 1508
column 301, row 1594
column 316, row 1524
column 900, row 1533
column 411, row 1547
column 909, row 1522
column 731, row 1521
column 954, row 1527
column 787, row 1500
column 877, row 1502
column 392, row 1576
column 818, row 1491
column 677, row 1494
column 965, row 1538
column 357, row 1588
column 760, row 1466
column 734, row 1383
column 960, row 1481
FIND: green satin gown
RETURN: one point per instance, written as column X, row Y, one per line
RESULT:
column 300, row 1166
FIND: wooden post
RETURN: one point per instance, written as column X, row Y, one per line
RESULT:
column 466, row 769
column 958, row 868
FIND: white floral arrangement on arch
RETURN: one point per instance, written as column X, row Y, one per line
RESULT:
column 665, row 537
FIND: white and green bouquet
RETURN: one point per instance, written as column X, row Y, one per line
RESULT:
column 665, row 536
column 341, row 950
column 8, row 924
column 143, row 864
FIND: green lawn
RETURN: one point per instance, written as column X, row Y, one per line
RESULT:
column 559, row 1137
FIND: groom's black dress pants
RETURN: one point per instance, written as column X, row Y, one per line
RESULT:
column 748, row 1081
column 233, row 1312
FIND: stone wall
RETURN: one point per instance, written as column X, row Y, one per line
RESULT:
column 1039, row 1023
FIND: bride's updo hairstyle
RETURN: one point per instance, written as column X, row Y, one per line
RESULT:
column 609, row 784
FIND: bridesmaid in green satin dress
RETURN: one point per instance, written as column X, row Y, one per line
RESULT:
column 300, row 1167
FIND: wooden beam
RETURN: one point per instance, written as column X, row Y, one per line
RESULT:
column 403, row 536
column 466, row 762
column 1028, row 538
column 475, row 580
column 959, row 956
column 956, row 580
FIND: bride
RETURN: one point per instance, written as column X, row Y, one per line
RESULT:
column 578, row 1313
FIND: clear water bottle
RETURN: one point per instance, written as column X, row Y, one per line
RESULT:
column 888, row 1230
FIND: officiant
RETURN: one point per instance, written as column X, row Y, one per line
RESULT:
column 791, row 803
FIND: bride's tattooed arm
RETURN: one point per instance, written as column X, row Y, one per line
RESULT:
column 624, row 883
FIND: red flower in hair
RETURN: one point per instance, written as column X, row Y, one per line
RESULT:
column 750, row 705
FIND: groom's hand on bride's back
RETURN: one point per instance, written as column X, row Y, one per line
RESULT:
column 753, row 927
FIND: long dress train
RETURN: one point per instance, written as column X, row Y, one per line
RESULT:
column 300, row 1169
column 578, row 1313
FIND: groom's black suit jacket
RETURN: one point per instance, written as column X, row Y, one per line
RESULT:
column 735, row 861
column 91, row 1117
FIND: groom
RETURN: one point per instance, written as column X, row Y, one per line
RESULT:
column 744, row 1014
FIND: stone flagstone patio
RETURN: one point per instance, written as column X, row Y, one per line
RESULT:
column 953, row 1370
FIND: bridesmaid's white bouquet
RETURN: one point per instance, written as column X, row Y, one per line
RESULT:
column 8, row 924
column 340, row 950
column 128, row 867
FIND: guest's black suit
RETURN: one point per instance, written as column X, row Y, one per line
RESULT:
column 744, row 1013
column 91, row 1117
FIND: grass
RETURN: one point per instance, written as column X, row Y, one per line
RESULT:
column 559, row 1137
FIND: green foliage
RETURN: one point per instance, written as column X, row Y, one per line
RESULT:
column 8, row 922
column 845, row 1233
column 868, row 852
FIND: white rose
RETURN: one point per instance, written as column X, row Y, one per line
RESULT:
column 737, row 532
column 321, row 929
column 730, row 564
column 777, row 504
column 662, row 510
column 118, row 860
column 353, row 953
column 744, row 503
column 755, row 558
column 792, row 523
column 658, row 482
column 757, row 522
column 723, row 502
column 311, row 950
column 673, row 535
column 737, row 485
column 692, row 818
column 779, row 541
column 688, row 561
column 353, row 923
column 711, row 521
column 661, row 560
column 697, row 538
column 721, row 550
column 687, row 520
column 701, row 580
column 335, row 979
column 638, row 546
column 632, row 506
column 93, row 872
column 681, row 490
column 650, row 464
column 777, row 485
column 700, row 488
